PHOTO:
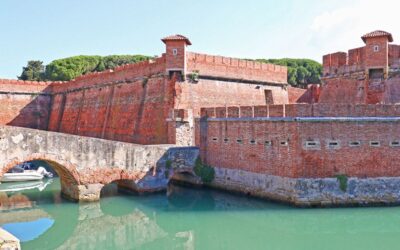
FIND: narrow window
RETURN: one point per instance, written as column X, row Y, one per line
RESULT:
column 215, row 139
column 376, row 48
column 375, row 143
column 333, row 144
column 174, row 52
column 226, row 140
column 239, row 141
column 312, row 145
column 252, row 141
column 268, row 143
column 395, row 143
column 354, row 143
column 284, row 143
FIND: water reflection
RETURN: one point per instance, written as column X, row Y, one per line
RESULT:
column 189, row 219
column 27, row 231
column 21, row 186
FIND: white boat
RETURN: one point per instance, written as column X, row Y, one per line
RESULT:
column 26, row 175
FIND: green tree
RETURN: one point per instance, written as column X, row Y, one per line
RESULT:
column 69, row 68
column 34, row 71
column 110, row 62
column 300, row 71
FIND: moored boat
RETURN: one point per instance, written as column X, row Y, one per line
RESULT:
column 23, row 173
column 27, row 175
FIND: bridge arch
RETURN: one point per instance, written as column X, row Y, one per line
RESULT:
column 68, row 173
column 86, row 164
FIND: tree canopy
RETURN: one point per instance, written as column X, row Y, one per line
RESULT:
column 33, row 71
column 69, row 68
column 300, row 71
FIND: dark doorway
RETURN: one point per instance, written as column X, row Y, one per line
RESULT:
column 376, row 74
column 268, row 96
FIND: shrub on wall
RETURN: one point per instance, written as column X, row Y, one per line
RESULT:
column 205, row 172
column 342, row 179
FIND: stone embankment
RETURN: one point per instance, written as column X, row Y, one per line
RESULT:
column 309, row 192
column 8, row 241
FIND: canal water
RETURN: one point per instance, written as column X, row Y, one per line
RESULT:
column 186, row 219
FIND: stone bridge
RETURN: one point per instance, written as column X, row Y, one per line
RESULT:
column 86, row 164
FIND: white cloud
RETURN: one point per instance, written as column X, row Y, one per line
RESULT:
column 341, row 29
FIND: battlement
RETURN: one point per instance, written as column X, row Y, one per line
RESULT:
column 22, row 82
column 227, row 67
column 376, row 54
column 303, row 110
column 20, row 86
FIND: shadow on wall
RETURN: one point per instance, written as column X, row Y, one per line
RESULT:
column 309, row 95
column 26, row 109
column 134, row 111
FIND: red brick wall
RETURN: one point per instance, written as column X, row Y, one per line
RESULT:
column 376, row 59
column 309, row 95
column 211, row 93
column 343, row 90
column 129, row 104
column 356, row 56
column 304, row 110
column 287, row 155
column 359, row 91
column 130, row 112
column 227, row 67
column 175, row 61
column 138, row 114
column 294, row 94
column 363, row 58
column 25, row 103
column 394, row 55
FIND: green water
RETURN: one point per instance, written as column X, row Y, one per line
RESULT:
column 189, row 219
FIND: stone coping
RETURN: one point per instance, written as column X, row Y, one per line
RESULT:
column 310, row 119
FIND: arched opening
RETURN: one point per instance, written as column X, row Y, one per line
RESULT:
column 65, row 173
column 185, row 177
column 118, row 187
column 32, row 209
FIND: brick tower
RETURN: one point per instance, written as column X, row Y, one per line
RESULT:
column 376, row 53
column 176, row 55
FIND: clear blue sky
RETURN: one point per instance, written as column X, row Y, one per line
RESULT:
column 52, row 29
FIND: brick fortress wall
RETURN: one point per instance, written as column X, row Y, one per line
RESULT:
column 130, row 104
column 229, row 81
column 135, row 103
column 25, row 103
column 368, row 74
column 328, row 140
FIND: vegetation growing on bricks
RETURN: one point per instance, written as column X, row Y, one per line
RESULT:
column 205, row 172
column 342, row 179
